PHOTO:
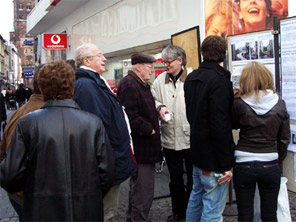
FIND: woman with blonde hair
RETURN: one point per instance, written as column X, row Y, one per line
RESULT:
column 221, row 17
column 264, row 135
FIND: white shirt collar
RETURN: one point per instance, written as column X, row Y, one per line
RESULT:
column 88, row 68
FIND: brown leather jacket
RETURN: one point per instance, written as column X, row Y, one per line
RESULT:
column 262, row 133
column 35, row 102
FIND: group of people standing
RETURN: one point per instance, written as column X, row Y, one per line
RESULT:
column 66, row 160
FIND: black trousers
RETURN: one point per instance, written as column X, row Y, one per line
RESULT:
column 179, row 191
column 268, row 177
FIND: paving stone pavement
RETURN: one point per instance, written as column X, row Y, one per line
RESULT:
column 161, row 207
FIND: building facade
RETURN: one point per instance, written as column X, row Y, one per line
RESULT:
column 23, row 40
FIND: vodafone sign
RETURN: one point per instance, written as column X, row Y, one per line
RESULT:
column 54, row 41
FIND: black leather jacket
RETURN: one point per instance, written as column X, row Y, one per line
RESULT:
column 262, row 133
column 61, row 158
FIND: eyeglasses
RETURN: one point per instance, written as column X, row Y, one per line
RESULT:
column 149, row 66
column 100, row 55
column 168, row 62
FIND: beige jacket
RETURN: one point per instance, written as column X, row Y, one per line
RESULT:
column 174, row 133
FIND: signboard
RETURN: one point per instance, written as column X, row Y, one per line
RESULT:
column 231, row 17
column 54, row 41
column 27, row 42
column 248, row 47
column 189, row 41
column 28, row 73
column 288, row 66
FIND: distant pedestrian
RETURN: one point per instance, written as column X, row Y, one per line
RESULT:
column 28, row 93
column 3, row 115
column 168, row 91
column 264, row 136
column 209, row 98
column 93, row 94
column 135, row 95
column 60, row 156
column 20, row 95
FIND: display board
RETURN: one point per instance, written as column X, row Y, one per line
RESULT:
column 288, row 64
column 254, row 46
column 189, row 40
column 288, row 71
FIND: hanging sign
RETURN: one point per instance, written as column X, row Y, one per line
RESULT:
column 54, row 41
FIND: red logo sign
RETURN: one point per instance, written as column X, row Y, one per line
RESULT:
column 54, row 41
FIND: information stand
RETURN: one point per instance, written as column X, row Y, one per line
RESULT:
column 288, row 91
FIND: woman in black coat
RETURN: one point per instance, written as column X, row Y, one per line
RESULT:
column 59, row 156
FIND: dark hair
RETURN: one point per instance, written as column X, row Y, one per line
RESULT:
column 71, row 62
column 213, row 49
column 36, row 89
column 56, row 81
column 174, row 52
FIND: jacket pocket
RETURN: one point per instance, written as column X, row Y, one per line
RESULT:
column 186, row 129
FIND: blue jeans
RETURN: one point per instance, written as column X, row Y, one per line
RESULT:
column 268, row 176
column 207, row 199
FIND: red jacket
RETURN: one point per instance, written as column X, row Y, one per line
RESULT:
column 139, row 105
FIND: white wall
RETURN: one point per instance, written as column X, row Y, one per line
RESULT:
column 117, row 25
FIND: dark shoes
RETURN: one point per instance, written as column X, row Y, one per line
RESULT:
column 175, row 217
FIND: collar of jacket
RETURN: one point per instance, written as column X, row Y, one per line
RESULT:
column 137, row 78
column 182, row 77
column 87, row 73
column 36, row 97
column 215, row 66
column 70, row 103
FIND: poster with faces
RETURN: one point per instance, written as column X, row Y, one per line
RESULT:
column 231, row 17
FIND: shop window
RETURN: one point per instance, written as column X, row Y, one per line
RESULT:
column 54, row 55
column 118, row 75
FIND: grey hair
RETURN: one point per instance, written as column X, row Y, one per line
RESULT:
column 174, row 52
column 82, row 52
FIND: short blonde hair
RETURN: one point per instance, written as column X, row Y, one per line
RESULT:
column 255, row 77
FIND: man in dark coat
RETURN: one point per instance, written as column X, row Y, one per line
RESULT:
column 92, row 93
column 135, row 95
column 21, row 95
column 208, row 98
column 60, row 156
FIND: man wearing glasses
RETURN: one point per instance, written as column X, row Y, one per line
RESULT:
column 135, row 95
column 168, row 92
column 93, row 94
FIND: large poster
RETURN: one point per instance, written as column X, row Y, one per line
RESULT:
column 288, row 66
column 189, row 41
column 244, row 48
column 229, row 17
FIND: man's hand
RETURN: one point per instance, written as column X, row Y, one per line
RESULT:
column 227, row 175
column 163, row 111
column 153, row 132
